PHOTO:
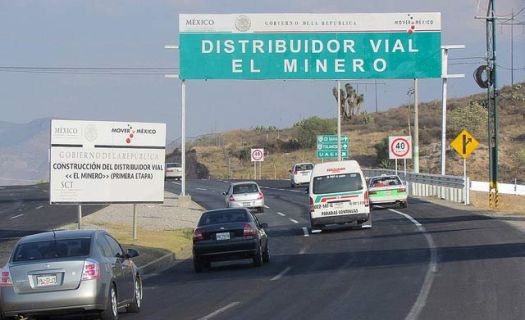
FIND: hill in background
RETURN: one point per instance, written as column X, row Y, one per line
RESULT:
column 227, row 154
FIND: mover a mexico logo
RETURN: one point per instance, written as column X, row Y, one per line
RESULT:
column 131, row 133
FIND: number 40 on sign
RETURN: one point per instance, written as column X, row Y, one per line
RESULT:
column 400, row 147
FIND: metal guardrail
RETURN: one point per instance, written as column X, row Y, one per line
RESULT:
column 450, row 188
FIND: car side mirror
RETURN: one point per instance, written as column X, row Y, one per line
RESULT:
column 264, row 225
column 131, row 253
column 224, row 193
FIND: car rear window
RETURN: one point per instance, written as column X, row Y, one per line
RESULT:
column 226, row 216
column 245, row 188
column 385, row 181
column 53, row 249
column 337, row 183
column 304, row 167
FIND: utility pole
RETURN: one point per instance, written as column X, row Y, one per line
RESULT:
column 338, row 120
column 493, row 105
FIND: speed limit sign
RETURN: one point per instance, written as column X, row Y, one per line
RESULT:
column 257, row 154
column 400, row 147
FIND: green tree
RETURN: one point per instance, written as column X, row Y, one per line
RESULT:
column 473, row 118
column 519, row 164
column 383, row 158
column 308, row 130
column 351, row 101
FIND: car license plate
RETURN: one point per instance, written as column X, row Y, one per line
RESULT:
column 222, row 236
column 47, row 280
column 338, row 205
column 246, row 204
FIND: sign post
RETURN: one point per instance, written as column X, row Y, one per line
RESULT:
column 465, row 144
column 400, row 147
column 257, row 155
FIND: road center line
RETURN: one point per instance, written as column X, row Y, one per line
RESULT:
column 202, row 189
column 417, row 307
column 305, row 230
column 281, row 214
column 293, row 220
column 39, row 207
column 17, row 216
column 266, row 207
column 216, row 312
column 280, row 275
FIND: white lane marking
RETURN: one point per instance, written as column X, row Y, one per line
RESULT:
column 281, row 214
column 281, row 274
column 266, row 207
column 305, row 231
column 176, row 183
column 17, row 216
column 216, row 312
column 432, row 268
column 202, row 189
column 293, row 220
column 316, row 230
column 39, row 207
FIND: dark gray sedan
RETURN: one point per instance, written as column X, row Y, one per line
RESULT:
column 70, row 272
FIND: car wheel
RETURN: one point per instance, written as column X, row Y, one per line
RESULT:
column 266, row 254
column 292, row 185
column 258, row 259
column 405, row 204
column 261, row 210
column 136, row 303
column 111, row 312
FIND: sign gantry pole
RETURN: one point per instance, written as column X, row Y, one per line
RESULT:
column 79, row 216
column 339, row 120
column 183, row 139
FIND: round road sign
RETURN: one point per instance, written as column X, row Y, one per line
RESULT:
column 257, row 154
column 400, row 147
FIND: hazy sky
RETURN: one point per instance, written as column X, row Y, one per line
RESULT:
column 132, row 34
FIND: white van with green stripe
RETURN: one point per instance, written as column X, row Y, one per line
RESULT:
column 338, row 194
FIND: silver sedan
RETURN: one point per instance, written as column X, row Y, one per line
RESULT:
column 70, row 272
column 244, row 195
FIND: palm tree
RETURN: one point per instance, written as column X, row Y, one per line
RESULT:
column 350, row 101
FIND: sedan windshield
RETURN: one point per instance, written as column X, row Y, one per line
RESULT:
column 53, row 249
column 337, row 183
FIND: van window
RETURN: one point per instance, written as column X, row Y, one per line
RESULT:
column 337, row 183
column 304, row 167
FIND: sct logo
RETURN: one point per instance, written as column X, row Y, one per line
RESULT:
column 67, row 184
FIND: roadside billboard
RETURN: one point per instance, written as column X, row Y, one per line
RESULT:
column 107, row 162
column 310, row 46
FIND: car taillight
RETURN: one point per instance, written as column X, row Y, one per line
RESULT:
column 231, row 198
column 5, row 279
column 402, row 189
column 311, row 204
column 197, row 235
column 91, row 270
column 261, row 196
column 366, row 198
column 249, row 230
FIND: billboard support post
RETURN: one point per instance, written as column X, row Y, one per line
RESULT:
column 183, row 138
column 134, row 221
column 79, row 216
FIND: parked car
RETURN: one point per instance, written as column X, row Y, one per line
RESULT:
column 300, row 174
column 173, row 171
column 244, row 195
column 387, row 189
column 229, row 234
column 66, row 272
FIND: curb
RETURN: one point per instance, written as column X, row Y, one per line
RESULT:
column 158, row 265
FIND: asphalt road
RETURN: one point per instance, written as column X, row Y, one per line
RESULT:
column 424, row 262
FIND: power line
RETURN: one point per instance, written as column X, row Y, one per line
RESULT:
column 90, row 70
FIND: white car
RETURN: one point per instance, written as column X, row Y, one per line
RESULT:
column 244, row 195
column 387, row 189
column 300, row 174
column 173, row 171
